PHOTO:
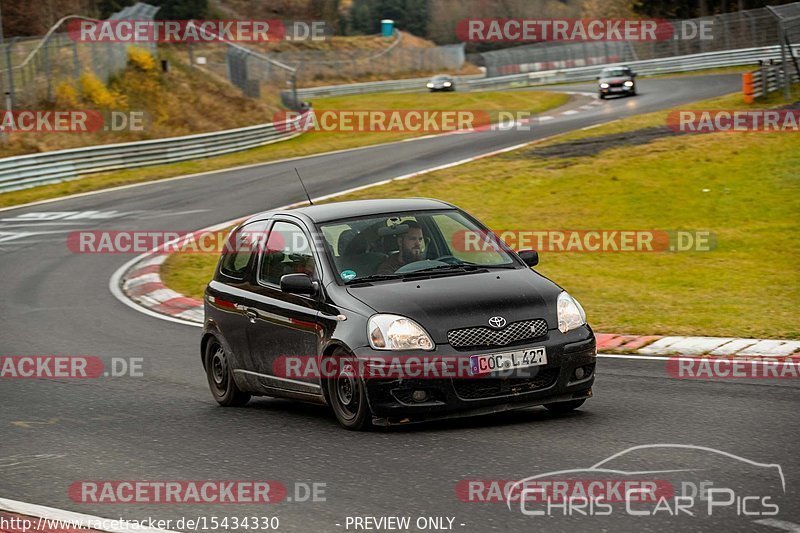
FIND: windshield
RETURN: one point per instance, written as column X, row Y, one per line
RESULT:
column 399, row 245
column 441, row 78
column 611, row 72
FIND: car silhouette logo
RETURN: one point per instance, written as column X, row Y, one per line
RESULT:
column 497, row 322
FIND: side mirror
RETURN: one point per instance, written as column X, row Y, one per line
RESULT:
column 529, row 257
column 633, row 74
column 298, row 284
column 597, row 77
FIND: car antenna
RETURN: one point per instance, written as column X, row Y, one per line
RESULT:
column 304, row 186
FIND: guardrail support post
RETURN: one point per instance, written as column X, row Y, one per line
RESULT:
column 787, row 77
column 10, row 73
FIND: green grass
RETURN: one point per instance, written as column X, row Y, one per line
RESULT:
column 748, row 286
column 188, row 273
column 308, row 144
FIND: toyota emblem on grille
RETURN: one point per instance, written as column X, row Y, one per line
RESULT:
column 497, row 322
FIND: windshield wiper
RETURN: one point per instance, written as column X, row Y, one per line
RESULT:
column 509, row 266
column 464, row 267
column 374, row 277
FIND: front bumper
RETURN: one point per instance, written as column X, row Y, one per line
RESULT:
column 392, row 402
column 622, row 89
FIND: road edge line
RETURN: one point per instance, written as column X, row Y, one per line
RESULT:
column 52, row 513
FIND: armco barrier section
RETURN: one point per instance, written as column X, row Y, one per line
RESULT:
column 765, row 80
column 410, row 84
column 25, row 171
column 669, row 65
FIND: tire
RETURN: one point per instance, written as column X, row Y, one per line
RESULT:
column 602, row 96
column 564, row 407
column 220, row 378
column 346, row 394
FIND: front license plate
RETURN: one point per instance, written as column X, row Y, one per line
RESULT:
column 616, row 89
column 483, row 364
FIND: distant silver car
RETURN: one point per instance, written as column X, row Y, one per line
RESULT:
column 616, row 81
column 441, row 83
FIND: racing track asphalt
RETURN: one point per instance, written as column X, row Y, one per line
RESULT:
column 165, row 425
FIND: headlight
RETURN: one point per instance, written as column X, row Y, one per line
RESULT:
column 629, row 84
column 430, row 86
column 570, row 313
column 604, row 86
column 447, row 84
column 394, row 332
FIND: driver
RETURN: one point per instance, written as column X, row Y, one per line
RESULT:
column 412, row 248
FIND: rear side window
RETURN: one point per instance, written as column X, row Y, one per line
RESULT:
column 240, row 248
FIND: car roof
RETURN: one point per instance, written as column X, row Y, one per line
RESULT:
column 358, row 208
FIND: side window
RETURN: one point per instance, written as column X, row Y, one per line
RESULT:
column 240, row 247
column 288, row 252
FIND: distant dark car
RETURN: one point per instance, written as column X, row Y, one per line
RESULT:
column 616, row 81
column 349, row 289
column 442, row 83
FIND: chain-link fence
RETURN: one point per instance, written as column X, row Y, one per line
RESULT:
column 266, row 73
column 728, row 31
column 32, row 68
column 788, row 18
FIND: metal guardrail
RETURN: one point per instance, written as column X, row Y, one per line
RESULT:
column 21, row 172
column 38, row 169
column 765, row 80
column 726, row 58
column 410, row 84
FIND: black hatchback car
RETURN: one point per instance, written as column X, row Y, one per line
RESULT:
column 616, row 81
column 390, row 311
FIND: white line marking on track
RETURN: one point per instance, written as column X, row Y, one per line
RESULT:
column 70, row 517
column 780, row 524
column 570, row 112
column 663, row 358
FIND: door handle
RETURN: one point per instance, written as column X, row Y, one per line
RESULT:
column 252, row 315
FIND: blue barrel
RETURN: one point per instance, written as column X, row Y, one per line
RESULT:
column 387, row 27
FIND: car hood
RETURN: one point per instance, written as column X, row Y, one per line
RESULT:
column 449, row 302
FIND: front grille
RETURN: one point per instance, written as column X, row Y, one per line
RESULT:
column 482, row 337
column 477, row 388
